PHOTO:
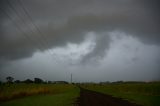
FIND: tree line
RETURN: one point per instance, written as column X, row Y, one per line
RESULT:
column 10, row 80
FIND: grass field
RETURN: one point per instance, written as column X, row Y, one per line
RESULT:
column 38, row 95
column 147, row 94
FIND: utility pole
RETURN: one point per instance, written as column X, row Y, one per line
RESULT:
column 71, row 78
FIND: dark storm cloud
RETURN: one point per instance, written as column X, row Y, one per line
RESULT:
column 99, row 51
column 61, row 22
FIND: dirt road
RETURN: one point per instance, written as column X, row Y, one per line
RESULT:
column 92, row 98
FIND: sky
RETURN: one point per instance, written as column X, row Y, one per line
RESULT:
column 94, row 40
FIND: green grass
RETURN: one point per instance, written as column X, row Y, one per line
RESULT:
column 13, row 91
column 147, row 94
column 64, row 96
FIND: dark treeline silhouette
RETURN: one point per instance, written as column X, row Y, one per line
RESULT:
column 38, row 80
column 10, row 80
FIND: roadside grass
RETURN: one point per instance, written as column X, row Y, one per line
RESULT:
column 66, row 98
column 147, row 94
column 14, row 91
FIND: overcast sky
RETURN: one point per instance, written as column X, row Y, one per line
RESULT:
column 95, row 40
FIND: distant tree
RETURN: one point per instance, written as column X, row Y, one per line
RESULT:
column 103, row 83
column 118, row 82
column 61, row 82
column 17, row 81
column 28, row 81
column 49, row 82
column 9, row 79
column 38, row 80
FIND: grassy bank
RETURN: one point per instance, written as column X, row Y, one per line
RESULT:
column 147, row 94
column 38, row 94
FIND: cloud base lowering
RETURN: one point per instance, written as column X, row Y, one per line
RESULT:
column 95, row 40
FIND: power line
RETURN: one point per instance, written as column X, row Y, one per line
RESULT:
column 17, row 26
column 12, row 7
column 35, row 26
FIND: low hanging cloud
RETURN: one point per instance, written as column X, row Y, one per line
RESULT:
column 59, row 23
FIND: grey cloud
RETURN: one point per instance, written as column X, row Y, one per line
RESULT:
column 78, row 17
column 103, row 41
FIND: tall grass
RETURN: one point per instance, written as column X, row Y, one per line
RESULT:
column 13, row 91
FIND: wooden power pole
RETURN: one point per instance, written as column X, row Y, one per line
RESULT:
column 71, row 78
